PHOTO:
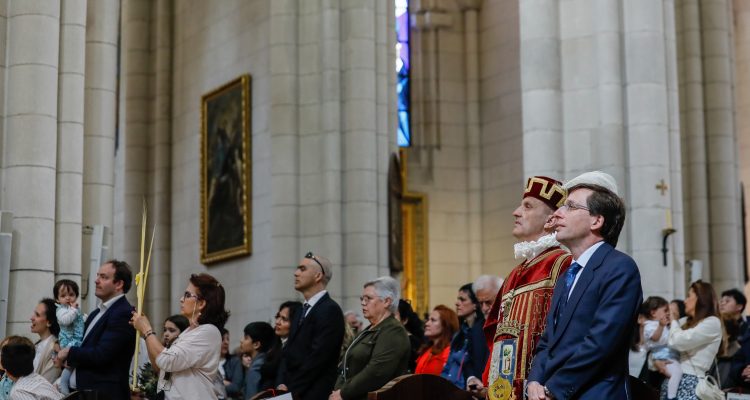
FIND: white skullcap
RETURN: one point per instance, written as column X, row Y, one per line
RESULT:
column 600, row 178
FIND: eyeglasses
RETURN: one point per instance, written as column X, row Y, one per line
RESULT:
column 188, row 295
column 570, row 206
column 367, row 299
column 311, row 256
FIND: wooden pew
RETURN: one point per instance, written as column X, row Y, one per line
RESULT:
column 416, row 387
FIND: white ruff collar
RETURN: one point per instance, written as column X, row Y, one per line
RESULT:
column 529, row 250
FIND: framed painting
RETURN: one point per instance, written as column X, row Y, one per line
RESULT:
column 226, row 219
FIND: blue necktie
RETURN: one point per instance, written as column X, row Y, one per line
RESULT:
column 570, row 277
column 305, row 307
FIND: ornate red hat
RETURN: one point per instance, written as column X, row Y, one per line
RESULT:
column 548, row 190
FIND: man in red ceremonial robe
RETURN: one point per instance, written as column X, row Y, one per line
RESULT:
column 517, row 318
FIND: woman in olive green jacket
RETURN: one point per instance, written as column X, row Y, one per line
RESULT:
column 381, row 352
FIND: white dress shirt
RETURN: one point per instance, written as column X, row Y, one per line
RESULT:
column 582, row 261
column 33, row 387
column 314, row 300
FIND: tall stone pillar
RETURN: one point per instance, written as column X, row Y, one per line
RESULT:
column 648, row 140
column 385, row 127
column 609, row 143
column 30, row 151
column 283, row 125
column 723, row 183
column 133, row 152
column 470, row 10
column 676, row 255
column 540, row 86
column 68, row 196
column 160, row 143
column 100, row 99
column 320, row 134
column 359, row 161
column 697, row 232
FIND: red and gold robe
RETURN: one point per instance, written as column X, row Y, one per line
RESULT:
column 516, row 322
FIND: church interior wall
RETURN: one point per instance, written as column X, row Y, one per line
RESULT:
column 215, row 42
column 439, row 169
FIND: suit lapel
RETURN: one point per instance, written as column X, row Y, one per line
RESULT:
column 587, row 276
column 296, row 326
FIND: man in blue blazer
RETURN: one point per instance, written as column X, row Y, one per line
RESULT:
column 102, row 362
column 583, row 352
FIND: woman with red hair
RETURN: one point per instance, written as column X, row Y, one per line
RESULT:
column 439, row 330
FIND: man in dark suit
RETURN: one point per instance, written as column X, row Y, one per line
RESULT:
column 311, row 355
column 102, row 362
column 583, row 352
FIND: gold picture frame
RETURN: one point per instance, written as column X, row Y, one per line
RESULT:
column 226, row 189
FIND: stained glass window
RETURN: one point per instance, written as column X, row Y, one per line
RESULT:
column 403, row 71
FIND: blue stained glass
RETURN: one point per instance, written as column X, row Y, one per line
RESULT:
column 403, row 72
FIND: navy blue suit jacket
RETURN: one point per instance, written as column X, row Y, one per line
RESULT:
column 585, row 355
column 102, row 362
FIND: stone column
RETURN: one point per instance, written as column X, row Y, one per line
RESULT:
column 136, row 71
column 648, row 138
column 69, row 201
column 385, row 89
column 723, row 185
column 283, row 126
column 100, row 98
column 160, row 141
column 676, row 255
column 30, row 151
column 693, row 124
column 359, row 161
column 609, row 143
column 473, row 136
column 320, row 134
column 540, row 87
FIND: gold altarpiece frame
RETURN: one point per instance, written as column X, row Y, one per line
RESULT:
column 415, row 276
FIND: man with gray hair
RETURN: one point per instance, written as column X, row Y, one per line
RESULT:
column 352, row 318
column 311, row 354
column 485, row 287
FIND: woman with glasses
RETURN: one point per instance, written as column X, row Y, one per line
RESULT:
column 380, row 352
column 190, row 365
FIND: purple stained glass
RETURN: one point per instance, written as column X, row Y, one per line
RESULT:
column 403, row 71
